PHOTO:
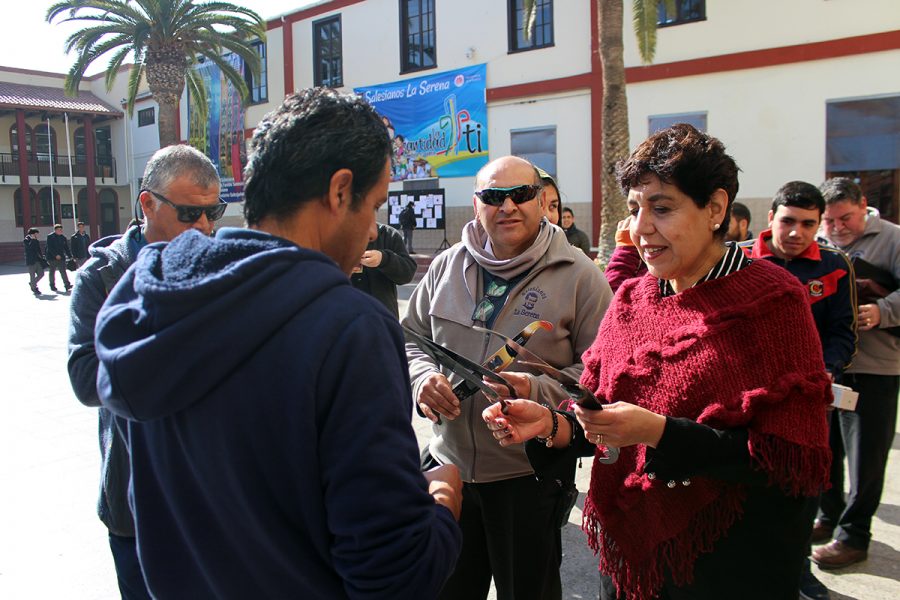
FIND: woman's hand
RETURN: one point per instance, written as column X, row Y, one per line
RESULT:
column 621, row 424
column 523, row 420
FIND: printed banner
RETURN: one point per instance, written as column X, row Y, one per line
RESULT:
column 438, row 123
column 221, row 136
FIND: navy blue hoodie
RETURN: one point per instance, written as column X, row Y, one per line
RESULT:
column 268, row 417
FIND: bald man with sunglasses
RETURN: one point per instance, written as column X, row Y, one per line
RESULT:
column 511, row 268
column 181, row 192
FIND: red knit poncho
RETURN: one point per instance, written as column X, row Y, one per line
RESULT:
column 738, row 351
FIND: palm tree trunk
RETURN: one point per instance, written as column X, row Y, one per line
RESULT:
column 168, row 122
column 615, row 122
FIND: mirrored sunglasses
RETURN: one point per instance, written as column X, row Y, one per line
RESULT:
column 191, row 213
column 485, row 308
column 518, row 194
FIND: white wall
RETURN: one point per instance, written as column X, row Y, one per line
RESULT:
column 742, row 25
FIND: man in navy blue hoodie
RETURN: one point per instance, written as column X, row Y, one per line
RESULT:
column 267, row 401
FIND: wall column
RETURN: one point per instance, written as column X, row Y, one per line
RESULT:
column 92, row 200
column 24, row 185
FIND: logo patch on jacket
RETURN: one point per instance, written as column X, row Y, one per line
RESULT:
column 816, row 287
column 530, row 298
column 824, row 287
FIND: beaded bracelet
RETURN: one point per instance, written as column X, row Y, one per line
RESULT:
column 548, row 441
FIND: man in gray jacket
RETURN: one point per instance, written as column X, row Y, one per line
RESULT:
column 511, row 268
column 181, row 192
column 866, row 434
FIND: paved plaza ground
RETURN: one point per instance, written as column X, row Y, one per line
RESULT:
column 52, row 545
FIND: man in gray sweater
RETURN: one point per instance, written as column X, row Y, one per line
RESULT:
column 864, row 435
column 181, row 192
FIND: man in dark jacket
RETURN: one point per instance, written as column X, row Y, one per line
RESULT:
column 576, row 237
column 384, row 265
column 57, row 255
column 79, row 243
column 34, row 260
column 270, row 457
column 407, row 220
column 188, row 179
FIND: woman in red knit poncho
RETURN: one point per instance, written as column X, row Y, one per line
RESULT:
column 717, row 395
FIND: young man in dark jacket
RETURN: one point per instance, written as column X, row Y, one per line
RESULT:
column 384, row 265
column 79, row 242
column 57, row 255
column 271, row 458
column 34, row 260
column 187, row 178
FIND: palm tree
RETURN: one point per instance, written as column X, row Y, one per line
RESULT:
column 615, row 143
column 165, row 39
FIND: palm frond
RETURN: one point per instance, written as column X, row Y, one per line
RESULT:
column 645, row 15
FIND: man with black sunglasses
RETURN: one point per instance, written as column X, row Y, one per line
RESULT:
column 181, row 192
column 511, row 268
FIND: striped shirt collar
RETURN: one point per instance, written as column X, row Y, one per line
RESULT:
column 733, row 260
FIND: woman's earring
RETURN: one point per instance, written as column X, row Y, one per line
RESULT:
column 716, row 226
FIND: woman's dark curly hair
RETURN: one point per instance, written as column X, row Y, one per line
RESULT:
column 692, row 161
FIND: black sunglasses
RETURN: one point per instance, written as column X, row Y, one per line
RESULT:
column 190, row 214
column 518, row 194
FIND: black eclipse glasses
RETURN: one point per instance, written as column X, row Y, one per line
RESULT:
column 519, row 194
column 191, row 213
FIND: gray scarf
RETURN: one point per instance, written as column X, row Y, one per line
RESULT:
column 477, row 242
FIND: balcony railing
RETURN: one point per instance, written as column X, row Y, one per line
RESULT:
column 40, row 166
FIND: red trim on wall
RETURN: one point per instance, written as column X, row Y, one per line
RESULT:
column 596, row 126
column 288, row 36
column 24, row 184
column 769, row 57
column 92, row 197
column 539, row 88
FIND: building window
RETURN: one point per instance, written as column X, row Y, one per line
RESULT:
column 258, row 86
column 542, row 32
column 417, row 35
column 686, row 11
column 20, row 217
column 327, row 56
column 14, row 141
column 537, row 145
column 50, row 214
column 660, row 122
column 146, row 116
column 45, row 142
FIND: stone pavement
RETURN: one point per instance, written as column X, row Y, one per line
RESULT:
column 53, row 546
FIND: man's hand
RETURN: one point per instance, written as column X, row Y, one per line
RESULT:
column 436, row 397
column 521, row 383
column 446, row 487
column 869, row 317
column 371, row 258
column 58, row 257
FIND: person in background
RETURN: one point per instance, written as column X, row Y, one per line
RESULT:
column 384, row 265
column 407, row 220
column 34, row 260
column 57, row 254
column 189, row 183
column 739, row 225
column 512, row 268
column 625, row 262
column 271, row 457
column 576, row 237
column 79, row 243
column 865, row 435
column 552, row 199
column 827, row 275
column 719, row 412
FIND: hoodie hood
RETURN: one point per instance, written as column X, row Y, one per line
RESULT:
column 165, row 337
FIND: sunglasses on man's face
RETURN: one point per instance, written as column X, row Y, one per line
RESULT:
column 518, row 194
column 191, row 214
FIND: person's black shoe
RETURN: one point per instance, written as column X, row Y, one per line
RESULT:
column 36, row 292
column 52, row 289
column 811, row 588
column 68, row 288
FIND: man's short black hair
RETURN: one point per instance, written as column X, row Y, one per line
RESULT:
column 299, row 146
column 33, row 230
column 837, row 189
column 799, row 194
column 568, row 210
column 740, row 212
